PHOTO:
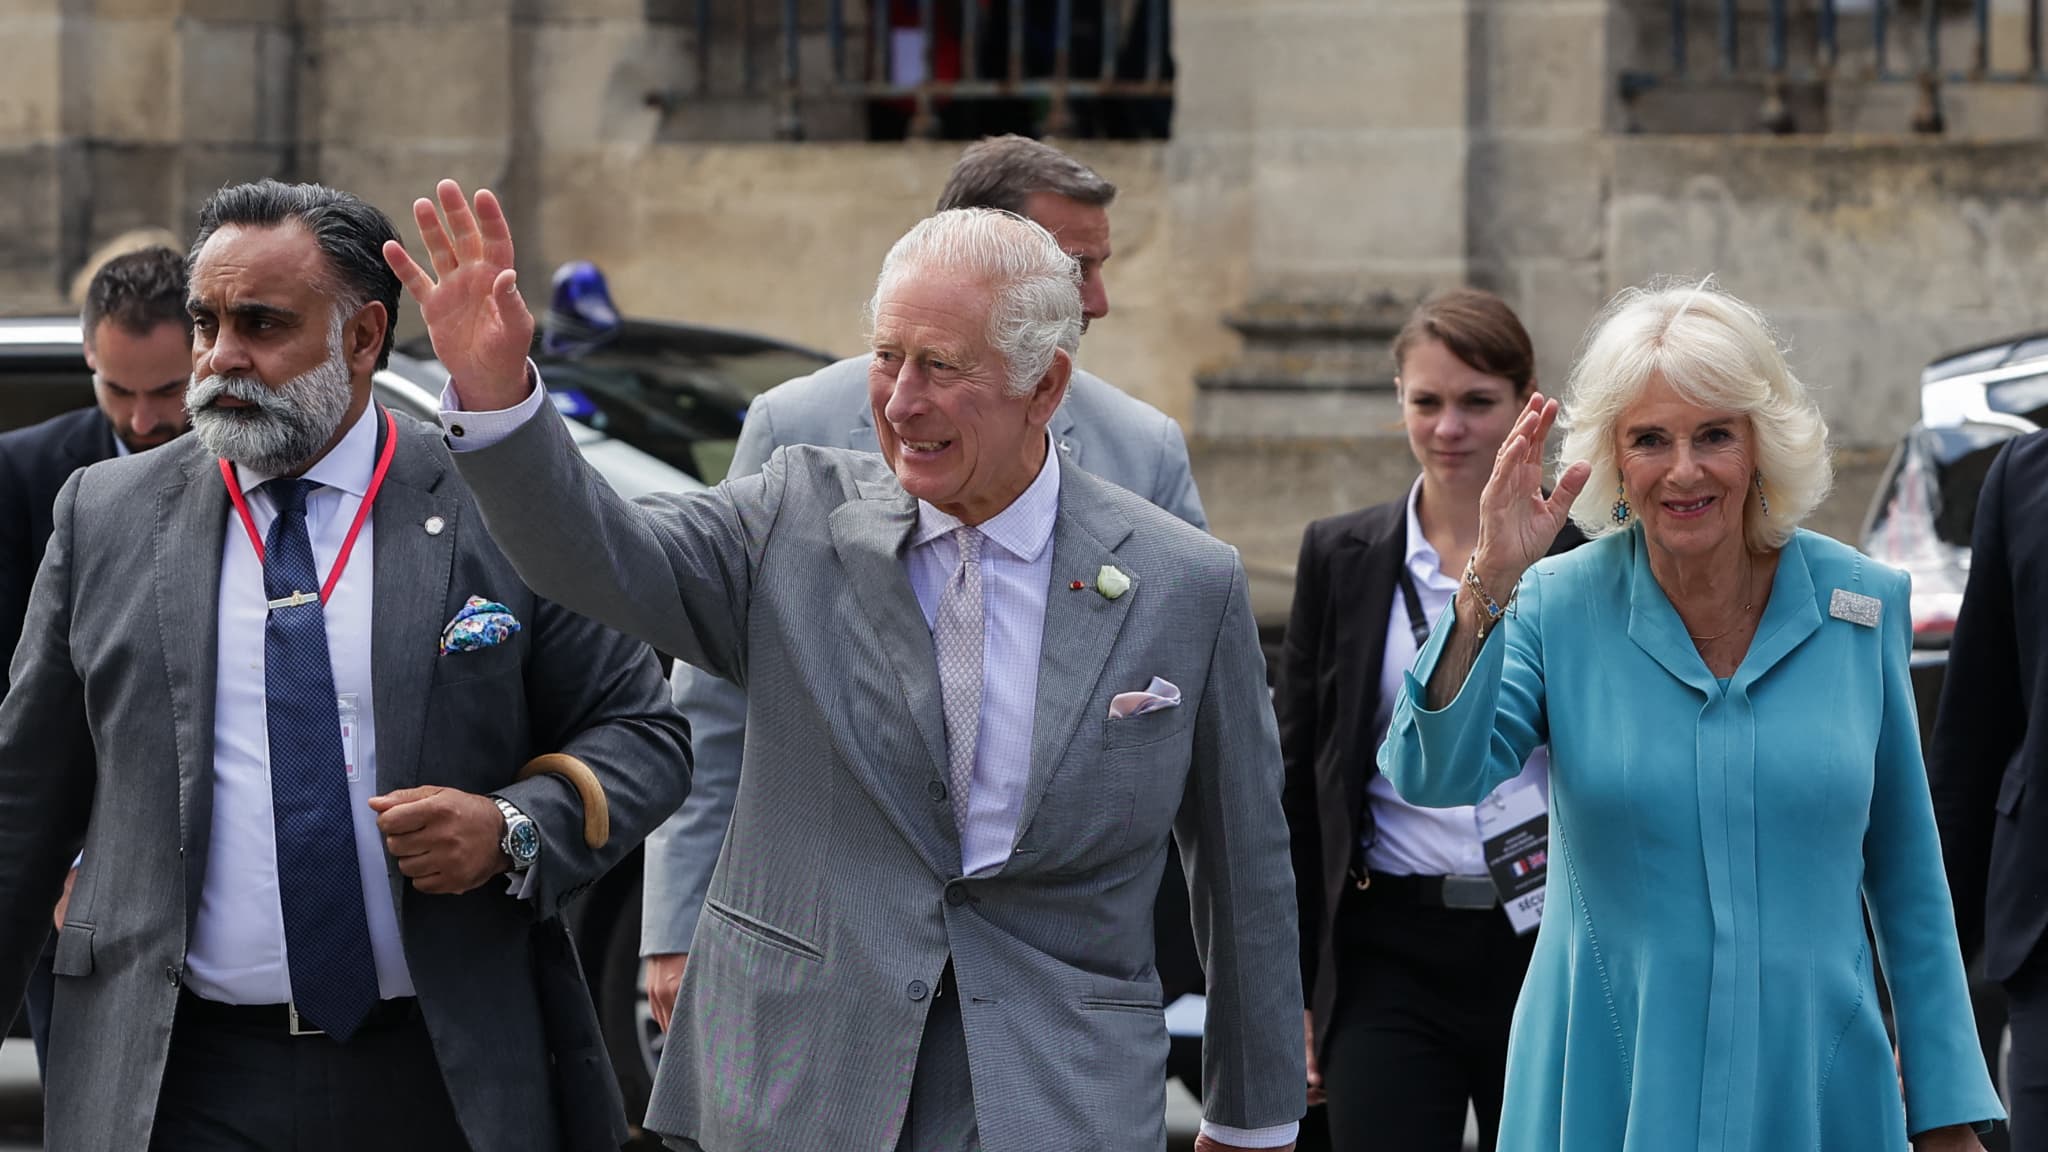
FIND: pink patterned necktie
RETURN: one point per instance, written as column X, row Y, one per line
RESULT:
column 958, row 637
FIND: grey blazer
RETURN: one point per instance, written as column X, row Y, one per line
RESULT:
column 800, row 1016
column 106, row 740
column 1113, row 435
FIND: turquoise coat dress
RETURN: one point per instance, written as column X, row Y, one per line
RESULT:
column 1702, row 978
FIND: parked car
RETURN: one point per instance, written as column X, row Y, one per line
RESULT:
column 655, row 407
column 1971, row 403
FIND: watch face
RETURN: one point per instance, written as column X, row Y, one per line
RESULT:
column 525, row 842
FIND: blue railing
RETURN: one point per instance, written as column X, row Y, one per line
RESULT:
column 1100, row 66
column 1882, row 41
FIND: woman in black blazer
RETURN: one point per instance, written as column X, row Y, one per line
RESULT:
column 1408, row 957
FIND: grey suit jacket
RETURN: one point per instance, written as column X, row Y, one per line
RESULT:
column 1113, row 435
column 804, row 1003
column 106, row 740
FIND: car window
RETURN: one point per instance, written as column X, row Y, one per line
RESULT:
column 35, row 388
column 676, row 392
column 684, row 407
column 2026, row 397
column 1959, row 458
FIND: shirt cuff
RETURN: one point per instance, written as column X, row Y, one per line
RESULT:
column 519, row 885
column 1279, row 1136
column 473, row 431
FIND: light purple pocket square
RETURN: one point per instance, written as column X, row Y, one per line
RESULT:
column 1157, row 696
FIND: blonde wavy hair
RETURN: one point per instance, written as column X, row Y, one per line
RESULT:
column 1715, row 351
column 133, row 240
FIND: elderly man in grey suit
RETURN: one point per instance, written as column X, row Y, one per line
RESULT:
column 1114, row 436
column 279, row 682
column 982, row 688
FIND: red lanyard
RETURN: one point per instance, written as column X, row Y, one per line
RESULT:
column 348, row 543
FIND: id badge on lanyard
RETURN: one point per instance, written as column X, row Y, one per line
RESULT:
column 345, row 705
column 1514, row 830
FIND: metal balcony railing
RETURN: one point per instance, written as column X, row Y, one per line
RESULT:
column 1045, row 59
column 1780, row 43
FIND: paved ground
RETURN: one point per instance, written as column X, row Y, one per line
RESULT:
column 21, row 1104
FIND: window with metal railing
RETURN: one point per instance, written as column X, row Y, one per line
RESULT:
column 1787, row 51
column 933, row 69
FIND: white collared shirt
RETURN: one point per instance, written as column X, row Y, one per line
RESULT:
column 1407, row 840
column 1015, row 570
column 237, row 952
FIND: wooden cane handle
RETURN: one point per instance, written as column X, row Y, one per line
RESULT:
column 597, row 815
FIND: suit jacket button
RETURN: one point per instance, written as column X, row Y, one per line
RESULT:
column 917, row 990
column 935, row 790
column 956, row 893
column 171, row 975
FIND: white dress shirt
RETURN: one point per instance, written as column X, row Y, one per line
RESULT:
column 1412, row 841
column 237, row 952
column 1015, row 576
column 1015, row 572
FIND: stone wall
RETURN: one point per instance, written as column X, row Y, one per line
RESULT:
column 116, row 114
column 1871, row 256
column 786, row 239
column 1332, row 161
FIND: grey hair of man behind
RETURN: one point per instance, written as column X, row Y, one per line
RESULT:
column 1004, row 171
column 350, row 232
column 1035, row 311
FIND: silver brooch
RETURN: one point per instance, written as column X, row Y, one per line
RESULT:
column 434, row 525
column 1855, row 607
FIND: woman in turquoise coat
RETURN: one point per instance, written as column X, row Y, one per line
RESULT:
column 1735, row 768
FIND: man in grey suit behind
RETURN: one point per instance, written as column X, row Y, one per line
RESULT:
column 983, row 688
column 279, row 682
column 1114, row 436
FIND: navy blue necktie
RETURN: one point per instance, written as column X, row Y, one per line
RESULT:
column 320, row 883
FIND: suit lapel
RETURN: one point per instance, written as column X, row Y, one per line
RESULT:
column 1792, row 614
column 1654, row 624
column 92, row 441
column 408, row 604
column 861, row 437
column 1080, row 629
column 1063, row 437
column 869, row 535
column 1362, row 589
column 191, row 514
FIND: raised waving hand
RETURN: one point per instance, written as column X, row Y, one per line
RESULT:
column 480, row 327
column 1517, row 522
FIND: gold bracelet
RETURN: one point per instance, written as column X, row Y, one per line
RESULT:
column 1493, row 609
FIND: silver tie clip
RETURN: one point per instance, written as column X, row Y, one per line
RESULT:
column 293, row 600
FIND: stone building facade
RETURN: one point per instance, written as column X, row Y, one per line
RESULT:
column 1330, row 162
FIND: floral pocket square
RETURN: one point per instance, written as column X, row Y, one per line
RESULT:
column 481, row 624
column 1157, row 696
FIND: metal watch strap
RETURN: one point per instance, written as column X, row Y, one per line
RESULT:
column 513, row 816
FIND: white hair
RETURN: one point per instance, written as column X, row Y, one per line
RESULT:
column 1716, row 351
column 1036, row 309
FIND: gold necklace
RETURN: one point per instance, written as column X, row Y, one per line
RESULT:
column 1741, row 618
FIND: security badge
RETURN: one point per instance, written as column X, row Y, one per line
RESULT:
column 1514, row 829
column 1855, row 607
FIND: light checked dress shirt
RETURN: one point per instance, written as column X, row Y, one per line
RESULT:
column 237, row 951
column 1016, row 572
column 1412, row 841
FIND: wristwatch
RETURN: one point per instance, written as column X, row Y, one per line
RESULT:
column 522, row 838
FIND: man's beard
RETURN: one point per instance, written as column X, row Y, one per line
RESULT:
column 282, row 430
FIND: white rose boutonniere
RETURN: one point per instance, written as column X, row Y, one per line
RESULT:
column 1111, row 582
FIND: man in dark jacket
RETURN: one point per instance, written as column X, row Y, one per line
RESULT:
column 138, row 344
